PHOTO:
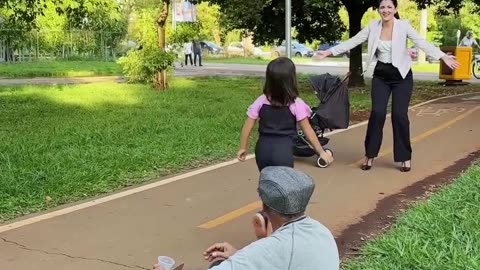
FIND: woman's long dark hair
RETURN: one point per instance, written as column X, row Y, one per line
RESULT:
column 395, row 4
column 281, row 86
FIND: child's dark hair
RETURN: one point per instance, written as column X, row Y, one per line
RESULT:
column 395, row 4
column 281, row 86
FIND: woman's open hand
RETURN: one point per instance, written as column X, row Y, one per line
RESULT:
column 450, row 61
column 320, row 55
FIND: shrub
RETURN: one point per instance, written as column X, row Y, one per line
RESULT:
column 142, row 65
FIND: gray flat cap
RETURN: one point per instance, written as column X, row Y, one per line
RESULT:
column 285, row 190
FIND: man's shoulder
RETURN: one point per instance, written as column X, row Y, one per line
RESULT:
column 316, row 230
column 274, row 251
column 316, row 224
column 310, row 220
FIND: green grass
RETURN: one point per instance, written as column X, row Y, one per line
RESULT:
column 76, row 141
column 431, row 68
column 441, row 233
column 59, row 69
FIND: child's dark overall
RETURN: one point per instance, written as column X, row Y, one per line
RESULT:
column 277, row 127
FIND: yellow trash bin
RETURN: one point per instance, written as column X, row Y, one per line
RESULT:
column 464, row 57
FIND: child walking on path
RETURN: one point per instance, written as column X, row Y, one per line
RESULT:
column 278, row 112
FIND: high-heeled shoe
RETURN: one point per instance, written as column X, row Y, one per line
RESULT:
column 367, row 165
column 405, row 168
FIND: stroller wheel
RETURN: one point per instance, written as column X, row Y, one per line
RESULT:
column 322, row 163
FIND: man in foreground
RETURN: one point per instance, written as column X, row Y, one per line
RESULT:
column 297, row 242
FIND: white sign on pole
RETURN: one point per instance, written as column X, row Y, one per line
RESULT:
column 185, row 11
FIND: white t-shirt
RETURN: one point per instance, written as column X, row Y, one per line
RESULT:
column 187, row 48
column 302, row 245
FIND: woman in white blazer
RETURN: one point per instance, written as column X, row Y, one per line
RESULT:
column 387, row 43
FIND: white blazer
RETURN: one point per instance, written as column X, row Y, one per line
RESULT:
column 400, row 57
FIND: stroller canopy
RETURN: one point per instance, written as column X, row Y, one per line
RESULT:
column 334, row 108
column 326, row 85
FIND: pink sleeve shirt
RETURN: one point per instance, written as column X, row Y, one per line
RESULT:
column 299, row 108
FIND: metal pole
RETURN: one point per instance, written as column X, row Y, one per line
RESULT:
column 36, row 49
column 174, row 23
column 288, row 28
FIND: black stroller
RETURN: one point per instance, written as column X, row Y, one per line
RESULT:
column 333, row 112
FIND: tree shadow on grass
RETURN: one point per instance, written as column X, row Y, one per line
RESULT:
column 71, row 142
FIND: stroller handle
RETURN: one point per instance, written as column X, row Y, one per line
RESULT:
column 346, row 77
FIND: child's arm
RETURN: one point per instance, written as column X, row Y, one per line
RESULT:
column 247, row 128
column 313, row 140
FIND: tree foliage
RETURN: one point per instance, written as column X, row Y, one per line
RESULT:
column 467, row 19
column 312, row 19
column 144, row 65
column 21, row 13
column 209, row 22
column 265, row 19
column 149, row 62
column 47, row 23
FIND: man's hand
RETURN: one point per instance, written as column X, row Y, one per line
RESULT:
column 157, row 267
column 219, row 251
column 160, row 267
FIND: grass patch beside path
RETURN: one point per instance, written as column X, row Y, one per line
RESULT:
column 59, row 69
column 427, row 68
column 441, row 233
column 70, row 142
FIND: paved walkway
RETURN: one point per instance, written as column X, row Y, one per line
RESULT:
column 181, row 216
column 259, row 70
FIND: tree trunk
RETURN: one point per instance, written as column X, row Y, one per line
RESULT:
column 355, row 14
column 161, row 82
column 9, row 52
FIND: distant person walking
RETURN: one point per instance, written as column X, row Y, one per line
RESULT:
column 197, row 53
column 187, row 50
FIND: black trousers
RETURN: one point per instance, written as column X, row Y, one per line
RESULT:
column 387, row 80
column 199, row 55
column 188, row 56
column 274, row 151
